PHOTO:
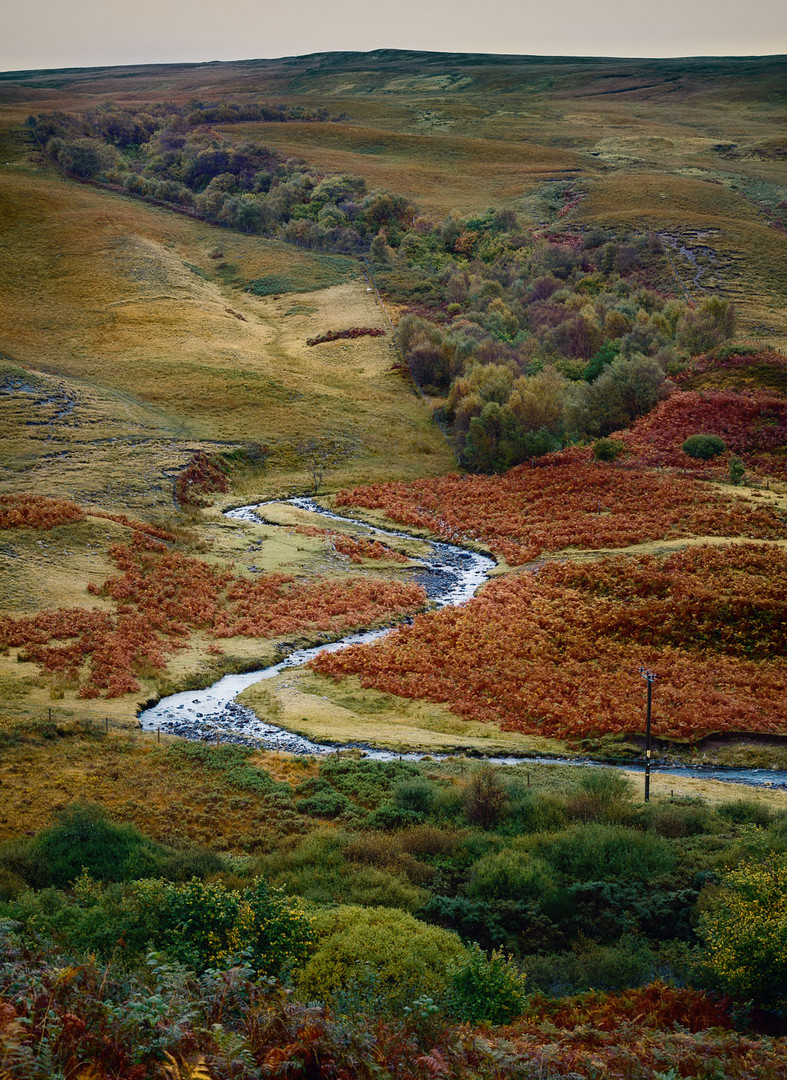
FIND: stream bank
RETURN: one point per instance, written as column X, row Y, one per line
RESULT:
column 450, row 576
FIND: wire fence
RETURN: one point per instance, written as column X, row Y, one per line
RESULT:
column 18, row 719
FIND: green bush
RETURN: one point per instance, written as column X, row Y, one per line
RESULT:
column 676, row 820
column 390, row 955
column 607, row 449
column 743, row 925
column 93, row 922
column 704, row 447
column 737, row 470
column 486, row 990
column 746, row 812
column 582, row 852
column 388, row 817
column 606, row 910
column 317, row 871
column 367, row 782
column 535, row 811
column 601, row 795
column 509, row 875
column 207, row 925
column 326, row 804
column 591, row 966
column 83, row 836
column 417, row 795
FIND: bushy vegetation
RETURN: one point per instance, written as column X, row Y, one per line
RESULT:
column 569, row 886
column 704, row 447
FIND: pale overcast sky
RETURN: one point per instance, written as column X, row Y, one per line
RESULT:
column 83, row 33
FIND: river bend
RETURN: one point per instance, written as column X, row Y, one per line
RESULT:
column 450, row 575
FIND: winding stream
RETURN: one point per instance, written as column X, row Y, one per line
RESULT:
column 450, row 575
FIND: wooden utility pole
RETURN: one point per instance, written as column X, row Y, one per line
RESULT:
column 649, row 678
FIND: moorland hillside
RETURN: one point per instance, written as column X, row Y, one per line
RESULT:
column 536, row 307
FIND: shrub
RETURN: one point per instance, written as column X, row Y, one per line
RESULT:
column 390, row 955
column 607, row 449
column 201, row 476
column 603, row 795
column 674, row 819
column 509, row 875
column 416, row 795
column 368, row 782
column 536, row 811
column 590, row 966
column 744, row 928
column 581, row 852
column 608, row 909
column 326, row 804
column 704, row 328
column 208, row 925
column 737, row 470
column 704, row 447
column 321, row 869
column 746, row 812
column 486, row 990
column 485, row 798
column 388, row 817
column 84, row 837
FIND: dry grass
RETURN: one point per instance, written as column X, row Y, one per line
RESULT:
column 133, row 778
column 127, row 300
column 714, row 792
column 442, row 172
column 345, row 713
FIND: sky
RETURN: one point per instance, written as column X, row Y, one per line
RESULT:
column 87, row 33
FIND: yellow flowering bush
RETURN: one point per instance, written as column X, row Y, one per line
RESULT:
column 205, row 924
column 744, row 929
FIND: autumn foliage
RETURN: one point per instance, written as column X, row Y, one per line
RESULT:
column 160, row 597
column 351, row 334
column 557, row 652
column 565, row 501
column 40, row 512
column 752, row 423
column 355, row 548
column 656, row 1005
column 202, row 476
column 37, row 512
